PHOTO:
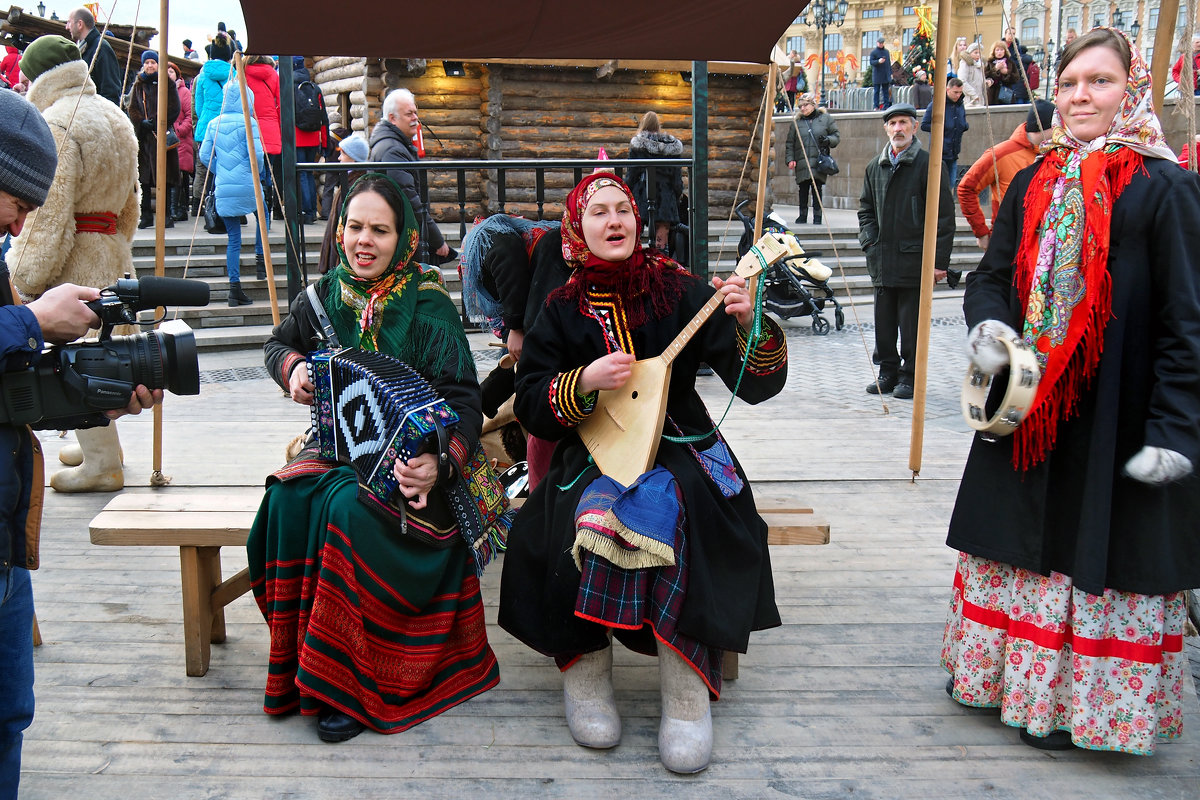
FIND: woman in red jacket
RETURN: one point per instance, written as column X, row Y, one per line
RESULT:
column 184, row 128
column 263, row 80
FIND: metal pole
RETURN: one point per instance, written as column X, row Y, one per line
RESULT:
column 821, row 28
column 239, row 62
column 933, row 190
column 291, row 212
column 698, row 181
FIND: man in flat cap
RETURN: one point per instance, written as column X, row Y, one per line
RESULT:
column 891, row 222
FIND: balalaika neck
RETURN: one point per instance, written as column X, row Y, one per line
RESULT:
column 689, row 330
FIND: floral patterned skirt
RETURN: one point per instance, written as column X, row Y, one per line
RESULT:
column 1107, row 668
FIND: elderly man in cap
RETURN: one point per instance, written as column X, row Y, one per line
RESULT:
column 891, row 221
column 27, row 164
column 83, row 233
column 881, row 74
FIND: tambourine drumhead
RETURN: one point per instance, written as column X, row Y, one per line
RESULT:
column 1023, row 376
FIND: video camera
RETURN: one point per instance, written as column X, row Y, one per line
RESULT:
column 72, row 382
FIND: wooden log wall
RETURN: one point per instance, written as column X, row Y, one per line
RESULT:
column 499, row 111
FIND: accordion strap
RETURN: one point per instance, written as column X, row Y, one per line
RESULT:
column 331, row 337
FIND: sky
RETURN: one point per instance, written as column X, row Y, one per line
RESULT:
column 188, row 20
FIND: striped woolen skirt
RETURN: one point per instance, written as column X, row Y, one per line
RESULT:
column 362, row 619
column 1107, row 668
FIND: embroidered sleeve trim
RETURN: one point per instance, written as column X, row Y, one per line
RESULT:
column 568, row 405
column 770, row 352
column 458, row 451
column 289, row 364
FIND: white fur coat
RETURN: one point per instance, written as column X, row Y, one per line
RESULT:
column 97, row 171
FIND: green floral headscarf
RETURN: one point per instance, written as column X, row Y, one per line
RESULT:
column 399, row 312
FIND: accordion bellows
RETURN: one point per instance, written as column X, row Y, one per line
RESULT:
column 370, row 410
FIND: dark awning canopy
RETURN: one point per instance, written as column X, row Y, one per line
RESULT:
column 478, row 30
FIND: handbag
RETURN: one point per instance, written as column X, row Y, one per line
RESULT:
column 825, row 164
column 172, row 139
column 1004, row 97
column 212, row 220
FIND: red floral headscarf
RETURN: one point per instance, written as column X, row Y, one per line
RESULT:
column 645, row 274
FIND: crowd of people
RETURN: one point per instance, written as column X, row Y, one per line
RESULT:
column 1067, row 600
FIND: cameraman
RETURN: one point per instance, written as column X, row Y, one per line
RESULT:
column 27, row 164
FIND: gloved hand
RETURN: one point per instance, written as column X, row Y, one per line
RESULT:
column 1157, row 465
column 148, row 125
column 984, row 347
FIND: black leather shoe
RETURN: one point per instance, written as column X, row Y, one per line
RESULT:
column 1057, row 740
column 903, row 392
column 147, row 221
column 336, row 726
column 885, row 386
column 801, row 220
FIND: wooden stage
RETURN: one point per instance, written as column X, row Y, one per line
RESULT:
column 844, row 700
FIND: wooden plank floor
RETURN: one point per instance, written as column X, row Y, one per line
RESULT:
column 844, row 700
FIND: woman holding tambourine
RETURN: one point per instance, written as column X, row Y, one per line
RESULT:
column 1078, row 530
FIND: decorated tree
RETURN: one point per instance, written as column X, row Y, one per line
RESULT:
column 920, row 53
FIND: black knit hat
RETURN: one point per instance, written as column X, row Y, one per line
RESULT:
column 1043, row 110
column 28, row 157
column 221, row 48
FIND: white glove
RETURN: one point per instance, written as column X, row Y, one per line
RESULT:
column 1157, row 465
column 984, row 347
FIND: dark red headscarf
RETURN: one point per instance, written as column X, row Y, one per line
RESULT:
column 645, row 274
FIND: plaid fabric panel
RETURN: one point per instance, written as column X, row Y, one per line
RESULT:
column 629, row 599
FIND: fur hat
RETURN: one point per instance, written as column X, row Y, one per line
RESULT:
column 46, row 53
column 149, row 55
column 28, row 157
column 355, row 147
column 221, row 48
column 807, row 97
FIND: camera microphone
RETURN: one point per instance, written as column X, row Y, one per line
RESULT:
column 152, row 292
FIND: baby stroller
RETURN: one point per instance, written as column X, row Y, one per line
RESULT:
column 796, row 285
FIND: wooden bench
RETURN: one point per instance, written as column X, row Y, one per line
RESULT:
column 201, row 522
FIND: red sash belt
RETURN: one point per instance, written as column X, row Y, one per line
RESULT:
column 99, row 222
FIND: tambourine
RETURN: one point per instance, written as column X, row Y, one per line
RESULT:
column 1023, row 376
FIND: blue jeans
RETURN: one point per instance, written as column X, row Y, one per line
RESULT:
column 308, row 181
column 16, row 673
column 233, row 250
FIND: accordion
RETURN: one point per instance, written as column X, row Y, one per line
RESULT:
column 370, row 410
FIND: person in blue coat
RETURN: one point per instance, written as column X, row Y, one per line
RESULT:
column 955, row 126
column 207, row 91
column 881, row 75
column 226, row 149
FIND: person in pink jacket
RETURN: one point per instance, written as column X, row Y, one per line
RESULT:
column 263, row 80
column 185, row 129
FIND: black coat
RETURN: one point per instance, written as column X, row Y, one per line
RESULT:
column 730, row 590
column 891, row 218
column 880, row 73
column 105, row 69
column 668, row 181
column 388, row 143
column 143, row 106
column 1076, row 513
column 955, row 126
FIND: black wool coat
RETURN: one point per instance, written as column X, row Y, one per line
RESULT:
column 668, row 181
column 809, row 131
column 1076, row 513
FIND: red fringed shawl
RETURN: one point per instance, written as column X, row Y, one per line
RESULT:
column 1070, row 365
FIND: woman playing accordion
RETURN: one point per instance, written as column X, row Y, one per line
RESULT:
column 376, row 620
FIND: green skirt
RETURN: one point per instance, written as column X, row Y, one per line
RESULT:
column 362, row 618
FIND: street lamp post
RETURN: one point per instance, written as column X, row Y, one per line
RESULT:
column 824, row 14
column 1046, row 69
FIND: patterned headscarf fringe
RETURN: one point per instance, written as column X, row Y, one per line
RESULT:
column 482, row 308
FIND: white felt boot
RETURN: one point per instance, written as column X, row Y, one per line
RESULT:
column 72, row 454
column 591, row 708
column 101, row 469
column 685, row 731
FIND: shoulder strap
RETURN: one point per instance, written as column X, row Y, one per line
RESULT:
column 323, row 320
